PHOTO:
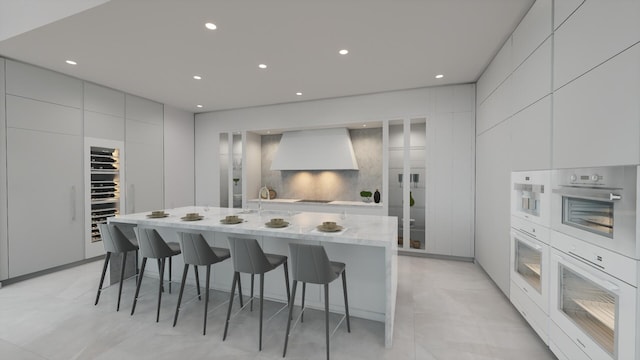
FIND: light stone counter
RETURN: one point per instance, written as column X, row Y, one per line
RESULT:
column 367, row 245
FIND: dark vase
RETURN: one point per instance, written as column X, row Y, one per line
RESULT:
column 376, row 196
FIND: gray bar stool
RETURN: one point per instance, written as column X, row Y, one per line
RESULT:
column 114, row 242
column 248, row 258
column 310, row 264
column 197, row 252
column 153, row 246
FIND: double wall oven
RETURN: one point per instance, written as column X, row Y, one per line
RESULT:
column 530, row 218
column 594, row 263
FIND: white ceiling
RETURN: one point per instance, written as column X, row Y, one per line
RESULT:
column 152, row 48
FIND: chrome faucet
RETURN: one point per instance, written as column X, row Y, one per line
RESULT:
column 266, row 189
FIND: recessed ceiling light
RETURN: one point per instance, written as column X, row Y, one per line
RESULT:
column 210, row 26
column 71, row 62
column 197, row 77
column 364, row 125
column 268, row 131
column 262, row 66
column 439, row 76
column 299, row 93
column 198, row 106
column 343, row 52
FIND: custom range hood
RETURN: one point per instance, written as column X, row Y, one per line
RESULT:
column 324, row 149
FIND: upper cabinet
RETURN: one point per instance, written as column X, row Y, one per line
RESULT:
column 45, row 85
column 596, row 118
column 499, row 69
column 534, row 28
column 103, row 100
column 144, row 154
column 563, row 9
column 595, row 32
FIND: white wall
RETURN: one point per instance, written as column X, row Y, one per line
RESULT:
column 321, row 113
column 179, row 182
column 562, row 92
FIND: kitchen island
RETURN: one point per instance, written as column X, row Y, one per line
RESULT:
column 367, row 245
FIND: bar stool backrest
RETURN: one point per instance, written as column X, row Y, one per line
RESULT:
column 310, row 264
column 248, row 257
column 196, row 250
column 151, row 243
column 114, row 240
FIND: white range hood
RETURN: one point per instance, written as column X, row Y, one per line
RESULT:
column 325, row 149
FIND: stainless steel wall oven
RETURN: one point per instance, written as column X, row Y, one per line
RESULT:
column 598, row 205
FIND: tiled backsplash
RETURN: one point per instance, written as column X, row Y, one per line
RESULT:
column 328, row 185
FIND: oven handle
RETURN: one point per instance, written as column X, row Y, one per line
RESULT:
column 524, row 238
column 589, row 194
column 577, row 268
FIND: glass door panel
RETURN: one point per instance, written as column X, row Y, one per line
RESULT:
column 528, row 264
column 591, row 307
column 590, row 215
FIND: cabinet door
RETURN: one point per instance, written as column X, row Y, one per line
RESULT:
column 44, row 200
column 144, row 169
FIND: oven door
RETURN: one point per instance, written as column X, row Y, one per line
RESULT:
column 605, row 217
column 530, row 267
column 596, row 310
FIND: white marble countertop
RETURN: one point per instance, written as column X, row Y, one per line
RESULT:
column 301, row 202
column 371, row 230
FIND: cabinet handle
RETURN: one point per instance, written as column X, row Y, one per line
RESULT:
column 73, row 203
column 132, row 196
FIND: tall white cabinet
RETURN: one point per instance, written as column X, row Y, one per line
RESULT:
column 44, row 169
column 49, row 123
column 144, row 154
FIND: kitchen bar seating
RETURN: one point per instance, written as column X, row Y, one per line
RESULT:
column 310, row 264
column 248, row 258
column 197, row 252
column 152, row 246
column 114, row 242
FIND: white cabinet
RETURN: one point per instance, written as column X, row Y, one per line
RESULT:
column 534, row 28
column 499, row 69
column 532, row 80
column 531, row 137
column 602, row 107
column 144, row 155
column 449, row 182
column 4, row 258
column 103, row 113
column 45, row 200
column 595, row 32
column 36, row 83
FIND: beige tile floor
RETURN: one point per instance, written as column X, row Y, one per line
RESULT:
column 446, row 310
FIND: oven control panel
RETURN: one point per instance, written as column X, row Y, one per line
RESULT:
column 606, row 176
column 585, row 178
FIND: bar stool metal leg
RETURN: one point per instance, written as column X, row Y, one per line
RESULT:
column 104, row 272
column 124, row 262
column 261, row 308
column 293, row 297
column 304, row 287
column 346, row 302
column 206, row 300
column 195, row 268
column 162, row 262
column 236, row 276
column 135, row 297
column 326, row 315
column 251, row 298
column 184, row 279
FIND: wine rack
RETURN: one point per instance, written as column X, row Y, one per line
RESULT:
column 105, row 187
